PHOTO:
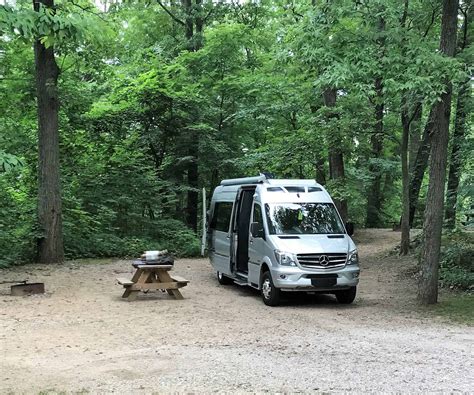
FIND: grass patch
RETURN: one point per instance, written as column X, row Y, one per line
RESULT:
column 456, row 307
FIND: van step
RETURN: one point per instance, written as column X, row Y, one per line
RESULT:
column 240, row 282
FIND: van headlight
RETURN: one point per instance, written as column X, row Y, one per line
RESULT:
column 353, row 258
column 285, row 258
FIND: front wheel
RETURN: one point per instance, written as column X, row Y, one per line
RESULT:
column 223, row 279
column 347, row 296
column 270, row 294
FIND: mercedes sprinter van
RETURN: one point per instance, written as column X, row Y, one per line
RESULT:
column 281, row 235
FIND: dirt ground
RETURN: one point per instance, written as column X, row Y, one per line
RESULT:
column 82, row 337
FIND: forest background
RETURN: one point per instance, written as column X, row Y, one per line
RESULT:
column 155, row 100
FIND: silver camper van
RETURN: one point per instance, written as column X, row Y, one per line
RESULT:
column 281, row 235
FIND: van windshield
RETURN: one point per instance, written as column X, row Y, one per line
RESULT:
column 303, row 218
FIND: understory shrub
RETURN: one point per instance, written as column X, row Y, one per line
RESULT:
column 87, row 236
column 457, row 265
column 17, row 219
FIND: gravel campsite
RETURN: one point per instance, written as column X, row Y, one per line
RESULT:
column 82, row 337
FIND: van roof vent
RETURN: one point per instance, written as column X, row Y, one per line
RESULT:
column 314, row 189
column 274, row 189
column 294, row 189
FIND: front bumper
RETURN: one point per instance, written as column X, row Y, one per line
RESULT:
column 294, row 278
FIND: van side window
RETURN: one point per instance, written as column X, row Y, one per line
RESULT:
column 257, row 215
column 271, row 228
column 221, row 218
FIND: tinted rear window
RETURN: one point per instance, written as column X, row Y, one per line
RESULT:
column 221, row 218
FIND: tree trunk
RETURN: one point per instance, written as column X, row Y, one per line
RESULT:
column 428, row 285
column 456, row 154
column 462, row 109
column 319, row 162
column 419, row 166
column 193, row 182
column 320, row 170
column 336, row 157
column 50, row 244
column 193, row 30
column 415, row 135
column 405, row 223
column 374, row 199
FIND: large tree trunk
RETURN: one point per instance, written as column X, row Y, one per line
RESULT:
column 459, row 135
column 428, row 285
column 336, row 157
column 193, row 30
column 50, row 244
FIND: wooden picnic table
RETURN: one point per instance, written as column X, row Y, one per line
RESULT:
column 152, row 278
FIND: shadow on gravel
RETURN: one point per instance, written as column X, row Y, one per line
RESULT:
column 295, row 299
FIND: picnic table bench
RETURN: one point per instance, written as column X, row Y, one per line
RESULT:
column 152, row 278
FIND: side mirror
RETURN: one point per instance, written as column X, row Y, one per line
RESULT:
column 350, row 228
column 256, row 230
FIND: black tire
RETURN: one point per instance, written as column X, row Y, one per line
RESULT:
column 270, row 294
column 347, row 296
column 223, row 279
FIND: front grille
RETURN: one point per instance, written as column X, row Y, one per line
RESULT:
column 317, row 260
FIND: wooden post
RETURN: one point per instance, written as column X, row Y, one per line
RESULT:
column 204, row 220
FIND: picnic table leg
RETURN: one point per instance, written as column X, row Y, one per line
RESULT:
column 141, row 277
column 164, row 277
column 177, row 295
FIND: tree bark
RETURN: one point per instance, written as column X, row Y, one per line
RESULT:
column 320, row 170
column 456, row 154
column 194, row 25
column 336, row 157
column 459, row 135
column 319, row 160
column 432, row 226
column 374, row 199
column 420, row 165
column 415, row 135
column 405, row 223
column 50, row 244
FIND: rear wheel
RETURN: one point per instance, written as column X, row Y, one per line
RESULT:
column 347, row 296
column 270, row 294
column 223, row 279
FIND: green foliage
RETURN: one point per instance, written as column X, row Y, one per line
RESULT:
column 457, row 265
column 8, row 162
column 17, row 213
column 52, row 26
column 456, row 307
column 134, row 99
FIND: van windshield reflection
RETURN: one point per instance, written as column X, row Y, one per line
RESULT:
column 303, row 218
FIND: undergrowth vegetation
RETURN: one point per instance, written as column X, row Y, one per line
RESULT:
column 457, row 264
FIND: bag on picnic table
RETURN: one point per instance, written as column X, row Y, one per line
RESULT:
column 157, row 258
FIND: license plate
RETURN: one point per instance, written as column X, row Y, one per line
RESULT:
column 323, row 282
